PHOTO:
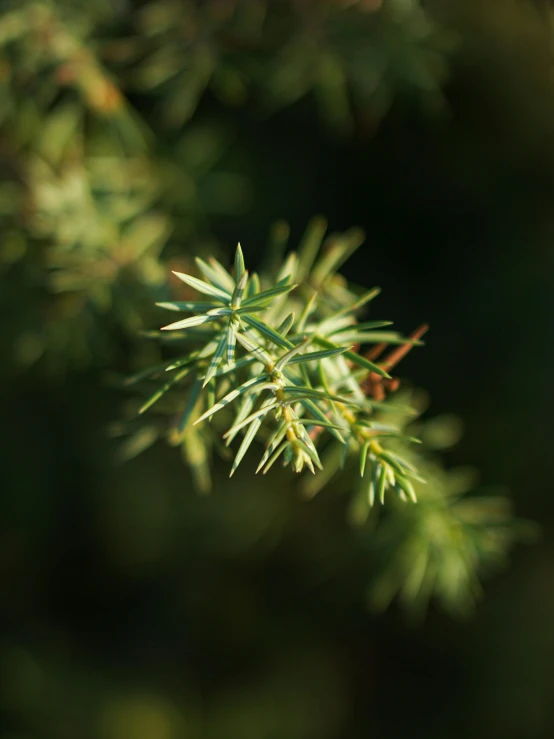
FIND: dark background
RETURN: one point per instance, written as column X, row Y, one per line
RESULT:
column 131, row 607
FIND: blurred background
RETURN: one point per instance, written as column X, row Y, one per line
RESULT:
column 135, row 135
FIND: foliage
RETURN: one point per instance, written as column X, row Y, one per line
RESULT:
column 138, row 134
column 103, row 187
column 454, row 534
column 98, row 197
column 284, row 358
column 351, row 56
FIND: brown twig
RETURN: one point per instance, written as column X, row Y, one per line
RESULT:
column 378, row 386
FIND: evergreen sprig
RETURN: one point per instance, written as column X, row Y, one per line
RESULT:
column 281, row 352
column 287, row 359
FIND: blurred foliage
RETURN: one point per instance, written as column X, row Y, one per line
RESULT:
column 91, row 197
column 352, row 56
column 97, row 188
column 454, row 533
column 137, row 134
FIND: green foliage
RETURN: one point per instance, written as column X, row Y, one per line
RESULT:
column 88, row 203
column 100, row 197
column 350, row 56
column 136, row 135
column 453, row 535
column 283, row 358
column 109, row 172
